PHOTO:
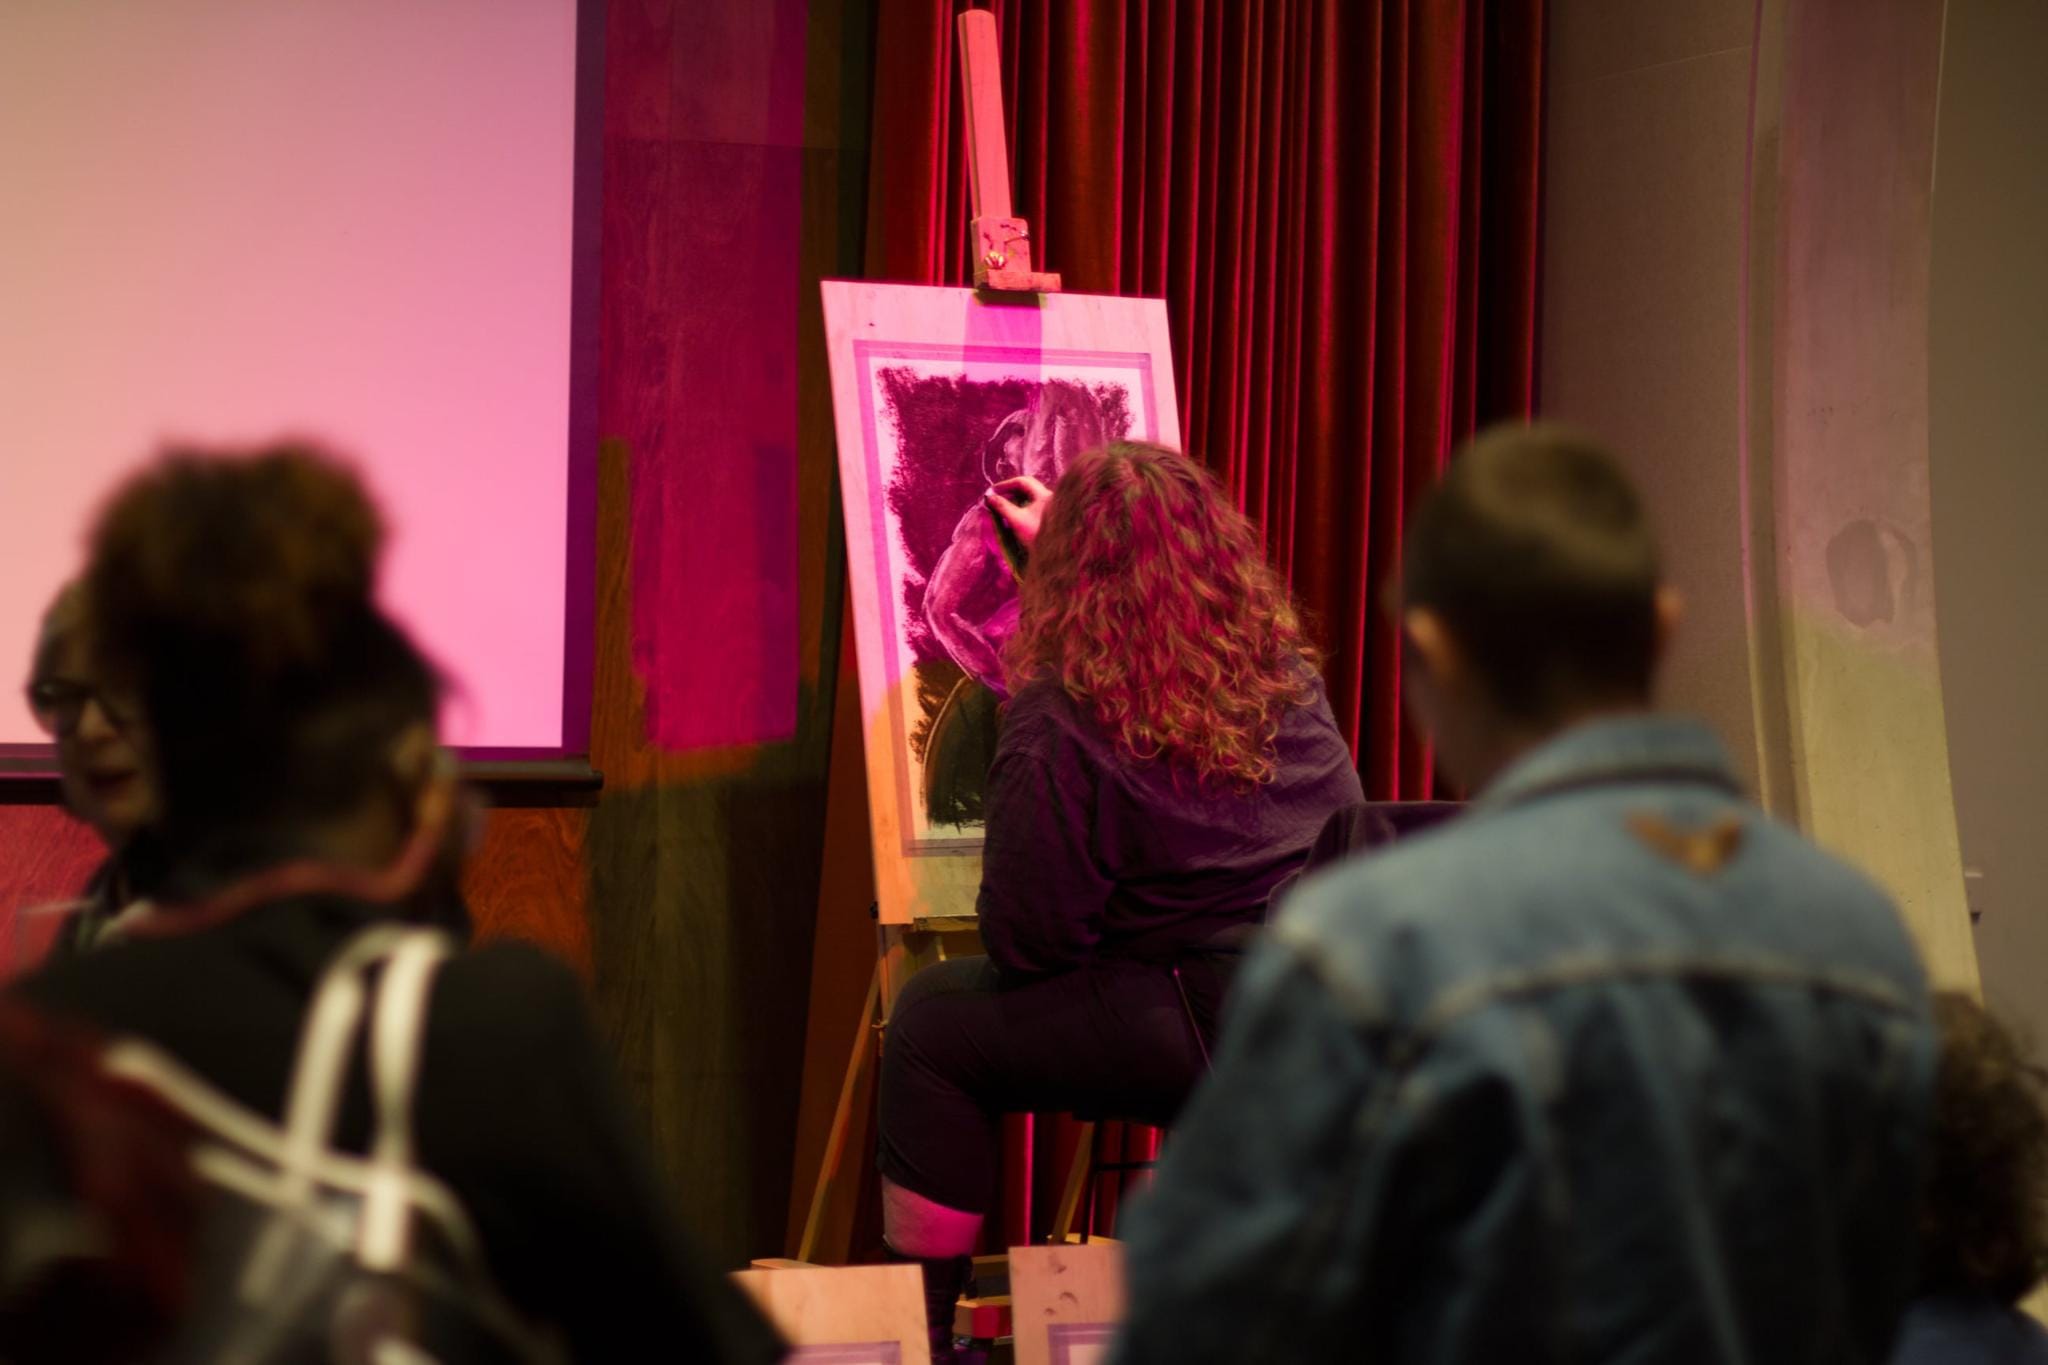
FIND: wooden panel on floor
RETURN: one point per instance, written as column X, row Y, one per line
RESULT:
column 849, row 1315
column 1066, row 1301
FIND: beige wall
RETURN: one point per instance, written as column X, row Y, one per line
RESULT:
column 1642, row 287
column 1735, row 293
column 1990, row 471
column 1854, row 553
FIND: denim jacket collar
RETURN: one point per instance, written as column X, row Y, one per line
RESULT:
column 1636, row 748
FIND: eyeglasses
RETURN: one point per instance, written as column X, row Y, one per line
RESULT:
column 58, row 704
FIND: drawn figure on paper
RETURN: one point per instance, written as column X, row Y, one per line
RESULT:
column 970, row 600
column 958, row 437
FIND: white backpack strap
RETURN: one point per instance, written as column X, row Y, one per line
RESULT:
column 397, row 1040
column 237, row 1133
column 325, row 1040
column 125, row 919
column 333, row 1019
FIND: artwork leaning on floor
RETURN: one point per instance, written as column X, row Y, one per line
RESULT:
column 939, row 394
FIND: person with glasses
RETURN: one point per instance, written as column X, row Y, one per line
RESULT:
column 100, row 769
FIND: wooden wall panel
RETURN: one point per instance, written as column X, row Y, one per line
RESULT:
column 704, row 864
column 526, row 882
column 45, row 855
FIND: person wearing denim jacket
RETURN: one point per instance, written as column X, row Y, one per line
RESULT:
column 1611, row 1068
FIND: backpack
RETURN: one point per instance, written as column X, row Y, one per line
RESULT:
column 300, row 1252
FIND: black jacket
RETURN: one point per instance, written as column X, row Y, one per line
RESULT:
column 517, row 1111
column 1091, row 852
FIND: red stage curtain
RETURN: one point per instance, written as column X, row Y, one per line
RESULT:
column 1338, row 200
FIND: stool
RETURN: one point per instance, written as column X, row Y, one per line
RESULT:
column 1084, row 1179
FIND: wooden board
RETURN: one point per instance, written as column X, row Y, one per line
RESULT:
column 937, row 394
column 847, row 1315
column 1066, row 1302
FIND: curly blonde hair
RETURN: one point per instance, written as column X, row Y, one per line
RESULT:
column 1149, row 600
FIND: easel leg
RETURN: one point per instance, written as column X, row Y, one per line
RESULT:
column 904, row 952
column 901, row 952
column 859, row 1059
column 1077, row 1181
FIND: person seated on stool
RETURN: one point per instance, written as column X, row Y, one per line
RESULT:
column 1167, row 756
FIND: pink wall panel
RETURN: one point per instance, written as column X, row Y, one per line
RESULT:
column 704, row 201
column 344, row 218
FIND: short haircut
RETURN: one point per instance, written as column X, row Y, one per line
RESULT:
column 1534, row 552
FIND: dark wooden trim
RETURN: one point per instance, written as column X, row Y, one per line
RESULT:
column 28, row 789
column 548, row 783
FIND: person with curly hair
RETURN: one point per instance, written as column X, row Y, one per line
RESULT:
column 1984, row 1207
column 1167, row 755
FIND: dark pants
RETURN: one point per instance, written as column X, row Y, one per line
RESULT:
column 1112, row 1040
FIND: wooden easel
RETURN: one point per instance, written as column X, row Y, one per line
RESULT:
column 1000, row 243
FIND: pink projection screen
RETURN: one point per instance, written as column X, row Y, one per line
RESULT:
column 370, row 222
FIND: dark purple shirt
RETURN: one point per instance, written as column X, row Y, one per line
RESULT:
column 1091, row 852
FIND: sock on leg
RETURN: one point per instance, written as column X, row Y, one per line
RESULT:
column 946, row 1278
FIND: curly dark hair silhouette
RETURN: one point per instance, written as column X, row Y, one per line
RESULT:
column 1984, row 1209
column 233, row 593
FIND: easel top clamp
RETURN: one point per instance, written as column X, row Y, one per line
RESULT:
column 999, row 243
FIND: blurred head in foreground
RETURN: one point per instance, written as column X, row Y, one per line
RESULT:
column 97, row 730
column 1531, row 596
column 1984, row 1209
column 233, row 597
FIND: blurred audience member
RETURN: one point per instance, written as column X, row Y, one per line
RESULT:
column 1984, row 1209
column 1611, row 1068
column 100, row 769
column 303, row 797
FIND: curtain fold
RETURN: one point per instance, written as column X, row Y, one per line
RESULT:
column 1338, row 200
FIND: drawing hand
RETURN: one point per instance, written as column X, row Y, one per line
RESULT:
column 1020, row 504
